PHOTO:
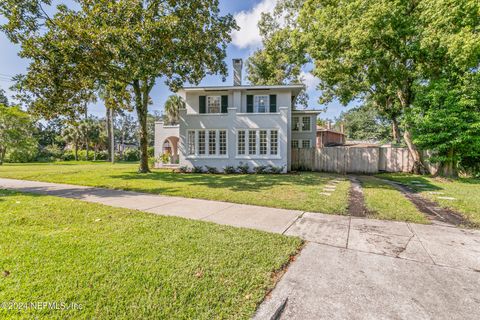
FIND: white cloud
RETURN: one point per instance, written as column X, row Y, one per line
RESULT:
column 249, row 35
column 311, row 82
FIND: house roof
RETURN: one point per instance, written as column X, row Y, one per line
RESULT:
column 322, row 129
column 307, row 111
column 294, row 87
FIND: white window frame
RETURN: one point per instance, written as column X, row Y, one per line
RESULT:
column 222, row 147
column 242, row 143
column 263, row 144
column 270, row 143
column 295, row 141
column 219, row 98
column 309, row 143
column 257, row 154
column 252, row 146
column 300, row 123
column 206, row 144
column 191, row 145
column 256, row 105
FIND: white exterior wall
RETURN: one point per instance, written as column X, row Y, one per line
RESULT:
column 305, row 135
column 162, row 132
column 236, row 118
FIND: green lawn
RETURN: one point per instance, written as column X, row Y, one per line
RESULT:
column 466, row 192
column 288, row 191
column 385, row 202
column 125, row 264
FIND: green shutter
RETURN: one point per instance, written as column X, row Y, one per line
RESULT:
column 202, row 103
column 249, row 103
column 273, row 103
column 224, row 104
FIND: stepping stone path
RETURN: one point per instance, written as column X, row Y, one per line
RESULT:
column 436, row 192
column 330, row 187
column 447, row 198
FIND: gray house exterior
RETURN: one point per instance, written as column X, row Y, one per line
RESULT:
column 232, row 125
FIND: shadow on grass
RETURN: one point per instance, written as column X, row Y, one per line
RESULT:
column 415, row 183
column 234, row 182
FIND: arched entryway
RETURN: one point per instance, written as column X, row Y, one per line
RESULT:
column 170, row 150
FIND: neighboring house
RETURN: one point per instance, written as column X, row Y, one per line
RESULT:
column 327, row 137
column 229, row 125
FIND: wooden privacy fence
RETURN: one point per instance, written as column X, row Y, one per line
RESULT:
column 353, row 159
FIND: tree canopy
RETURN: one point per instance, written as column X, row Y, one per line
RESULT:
column 120, row 44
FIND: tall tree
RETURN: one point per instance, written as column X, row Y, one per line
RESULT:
column 3, row 98
column 172, row 106
column 365, row 123
column 15, row 131
column 72, row 135
column 133, row 42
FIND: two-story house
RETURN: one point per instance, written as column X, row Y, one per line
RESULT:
column 229, row 125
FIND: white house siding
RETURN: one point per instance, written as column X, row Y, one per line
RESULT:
column 305, row 135
column 162, row 132
column 235, row 119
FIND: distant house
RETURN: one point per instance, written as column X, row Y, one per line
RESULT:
column 327, row 137
column 229, row 125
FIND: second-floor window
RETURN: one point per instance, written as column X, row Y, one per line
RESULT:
column 302, row 123
column 261, row 104
column 214, row 104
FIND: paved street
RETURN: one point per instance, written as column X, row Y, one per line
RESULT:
column 353, row 268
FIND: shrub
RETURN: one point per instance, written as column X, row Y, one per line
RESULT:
column 151, row 151
column 165, row 158
column 275, row 170
column 82, row 155
column 50, row 153
column 243, row 168
column 68, row 156
column 260, row 169
column 183, row 169
column 211, row 169
column 229, row 169
column 197, row 169
column 131, row 154
column 102, row 155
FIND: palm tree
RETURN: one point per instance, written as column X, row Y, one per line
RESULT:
column 172, row 106
column 72, row 135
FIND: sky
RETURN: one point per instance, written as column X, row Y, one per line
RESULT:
column 244, row 42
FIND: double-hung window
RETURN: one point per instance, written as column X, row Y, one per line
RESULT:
column 252, row 142
column 263, row 142
column 191, row 142
column 306, row 123
column 261, row 103
column 201, row 142
column 274, row 142
column 222, row 142
column 302, row 123
column 295, row 144
column 212, row 142
column 214, row 104
column 241, row 142
column 306, row 144
column 295, row 124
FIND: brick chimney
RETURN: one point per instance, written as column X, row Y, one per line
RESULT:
column 237, row 72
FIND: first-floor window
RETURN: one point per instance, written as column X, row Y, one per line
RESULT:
column 306, row 144
column 241, row 142
column 295, row 144
column 222, row 137
column 263, row 142
column 273, row 142
column 201, row 142
column 191, row 142
column 212, row 142
column 252, row 142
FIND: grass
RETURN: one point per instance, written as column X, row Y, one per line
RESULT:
column 288, row 191
column 466, row 192
column 125, row 264
column 385, row 202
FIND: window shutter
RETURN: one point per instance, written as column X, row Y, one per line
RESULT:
column 202, row 103
column 224, row 104
column 249, row 103
column 273, row 103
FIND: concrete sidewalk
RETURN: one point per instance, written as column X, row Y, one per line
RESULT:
column 350, row 268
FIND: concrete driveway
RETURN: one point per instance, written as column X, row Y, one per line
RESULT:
column 350, row 268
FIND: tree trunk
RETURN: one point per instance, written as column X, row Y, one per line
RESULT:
column 109, row 134
column 76, row 150
column 86, row 134
column 448, row 168
column 3, row 151
column 142, row 90
column 95, row 153
column 418, row 167
column 112, row 137
column 395, row 131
